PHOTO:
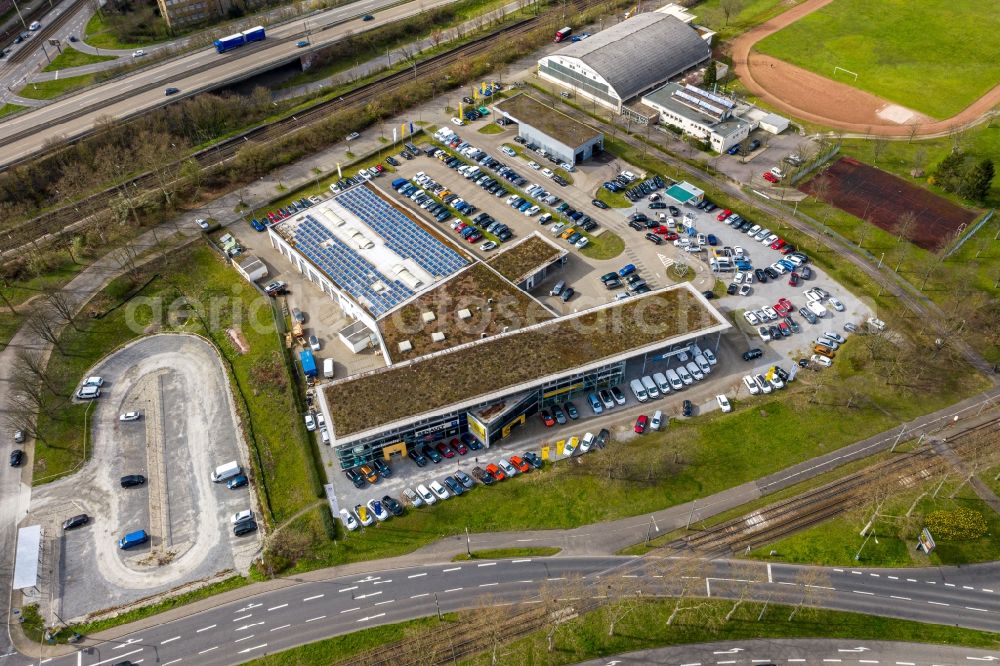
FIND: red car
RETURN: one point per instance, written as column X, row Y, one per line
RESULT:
column 770, row 177
column 520, row 464
column 793, row 280
column 445, row 450
column 670, row 236
column 723, row 215
column 780, row 309
column 379, row 168
column 787, row 304
column 458, row 446
column 460, row 227
column 473, row 237
column 661, row 230
column 496, row 472
column 547, row 418
column 641, row 424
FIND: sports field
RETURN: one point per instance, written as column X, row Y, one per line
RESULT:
column 932, row 56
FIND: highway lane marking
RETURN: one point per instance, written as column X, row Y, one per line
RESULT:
column 313, row 619
column 729, row 661
column 696, row 663
column 938, row 603
column 348, row 589
column 487, row 564
column 211, row 626
column 949, row 585
column 525, row 581
column 380, row 582
column 209, row 649
column 867, row 661
column 488, row 584
column 968, row 587
column 242, row 617
column 931, row 582
column 167, row 663
column 874, row 575
column 126, row 643
column 315, row 596
column 382, row 603
column 272, row 608
column 905, row 663
column 856, row 573
column 118, row 657
column 893, row 577
column 452, row 569
column 417, row 575
column 370, row 617
column 255, row 647
column 417, row 596
column 871, row 594
column 893, row 596
column 454, row 589
column 987, row 590
column 370, row 594
column 170, row 640
column 839, row 570
column 560, row 578
column 911, row 580
column 350, row 610
column 973, row 608
column 760, row 661
column 248, row 626
column 284, row 626
column 518, row 561
column 245, row 638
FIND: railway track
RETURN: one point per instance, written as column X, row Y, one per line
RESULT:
column 812, row 507
column 43, row 35
column 50, row 226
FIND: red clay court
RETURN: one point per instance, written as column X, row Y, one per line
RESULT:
column 869, row 193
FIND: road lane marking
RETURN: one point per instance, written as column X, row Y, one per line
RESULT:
column 874, row 575
column 382, row 603
column 795, row 660
column 348, row 589
column 370, row 594
column 315, row 596
column 938, row 603
column 968, row 587
column 417, row 596
column 242, row 617
column 870, row 594
column 518, row 561
column 973, row 608
column 629, row 576
column 893, row 596
column 350, row 610
column 770, row 578
column 417, row 575
column 454, row 589
column 911, row 580
column 211, row 626
column 524, row 581
column 839, row 570
column 272, row 608
column 452, row 569
column 245, row 638
column 209, row 649
column 867, row 661
column 255, row 647
column 987, row 590
column 370, row 617
column 126, row 643
column 284, row 626
column 488, row 584
column 167, row 663
column 949, row 585
column 487, row 564
column 696, row 663
column 380, row 582
column 170, row 640
column 856, row 573
column 905, row 663
column 833, row 661
column 729, row 661
column 893, row 577
column 932, row 582
column 560, row 578
column 313, row 619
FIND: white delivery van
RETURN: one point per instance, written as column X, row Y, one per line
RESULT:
column 650, row 386
column 674, row 379
column 661, row 382
column 816, row 308
column 657, row 420
column 684, row 375
column 638, row 391
column 227, row 471
column 328, row 368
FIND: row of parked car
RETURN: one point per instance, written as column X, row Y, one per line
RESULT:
column 623, row 182
column 275, row 216
column 773, row 378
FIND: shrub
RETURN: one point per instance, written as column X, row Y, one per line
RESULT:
column 958, row 525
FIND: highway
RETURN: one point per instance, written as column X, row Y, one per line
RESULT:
column 301, row 613
column 195, row 72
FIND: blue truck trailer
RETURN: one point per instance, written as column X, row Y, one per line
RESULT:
column 308, row 362
column 237, row 40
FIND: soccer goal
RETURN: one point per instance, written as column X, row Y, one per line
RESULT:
column 845, row 71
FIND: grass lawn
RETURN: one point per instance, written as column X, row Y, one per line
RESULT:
column 747, row 14
column 491, row 128
column 97, row 34
column 885, row 44
column 70, row 57
column 285, row 471
column 53, row 89
column 502, row 553
column 586, row 637
column 613, row 199
column 608, row 245
column 8, row 109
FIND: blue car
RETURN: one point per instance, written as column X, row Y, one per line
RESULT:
column 237, row 481
column 744, row 265
column 712, row 240
column 595, row 403
column 735, row 149
column 257, row 225
column 398, row 183
column 627, row 269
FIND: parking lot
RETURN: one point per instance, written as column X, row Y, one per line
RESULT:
column 184, row 431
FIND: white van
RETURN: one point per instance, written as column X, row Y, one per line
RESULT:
column 703, row 363
column 661, row 383
column 35, row 25
column 816, row 308
column 650, row 387
column 675, row 381
column 694, row 370
column 638, row 391
column 684, row 375
column 328, row 368
column 656, row 421
column 227, row 471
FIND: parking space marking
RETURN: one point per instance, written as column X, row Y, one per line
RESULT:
column 211, row 626
column 273, row 608
column 315, row 596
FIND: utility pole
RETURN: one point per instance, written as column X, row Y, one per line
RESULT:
column 468, row 542
column 438, row 605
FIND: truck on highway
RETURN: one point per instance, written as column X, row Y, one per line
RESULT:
column 563, row 33
column 237, row 40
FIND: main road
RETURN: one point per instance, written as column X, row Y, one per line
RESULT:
column 303, row 612
column 195, row 72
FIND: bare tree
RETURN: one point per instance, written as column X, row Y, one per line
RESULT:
column 879, row 144
column 729, row 8
column 687, row 576
column 44, row 328
column 904, row 224
column 559, row 602
column 62, row 308
column 914, row 126
column 31, row 363
column 127, row 260
column 814, row 586
column 624, row 597
column 746, row 574
column 821, row 188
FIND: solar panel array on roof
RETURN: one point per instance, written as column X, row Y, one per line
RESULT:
column 347, row 268
column 402, row 235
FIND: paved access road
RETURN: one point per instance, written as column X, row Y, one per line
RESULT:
column 801, row 651
column 306, row 612
column 76, row 114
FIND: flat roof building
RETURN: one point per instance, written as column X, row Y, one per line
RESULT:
column 707, row 116
column 628, row 59
column 563, row 137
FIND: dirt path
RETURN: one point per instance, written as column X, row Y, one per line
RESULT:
column 820, row 100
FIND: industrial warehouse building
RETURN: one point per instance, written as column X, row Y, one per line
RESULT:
column 701, row 114
column 630, row 58
column 559, row 135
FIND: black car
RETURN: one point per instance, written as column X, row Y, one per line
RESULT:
column 567, row 294
column 688, row 408
column 132, row 480
column 760, row 275
column 805, row 273
column 470, row 441
column 771, row 273
column 709, row 295
column 602, row 438
column 483, row 475
column 394, row 507
column 532, row 459
column 653, row 238
column 600, row 204
column 382, row 468
column 465, row 479
column 468, row 100
column 76, row 521
column 367, row 17
column 751, row 354
column 639, row 217
column 392, row 161
column 782, row 375
column 246, row 527
column 16, row 457
column 355, row 477
column 618, row 395
column 657, row 205
column 453, row 485
column 237, row 481
column 637, row 225
column 171, row 91
column 418, row 459
column 674, row 210
column 732, row 288
column 431, row 453
column 571, row 410
column 613, row 284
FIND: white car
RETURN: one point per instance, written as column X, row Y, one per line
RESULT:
column 752, row 231
column 738, row 252
column 586, row 442
column 695, row 371
column 310, row 422
column 548, row 173
column 130, row 416
column 812, row 295
column 138, row 53
column 314, row 343
column 770, row 239
column 762, row 383
column 745, row 290
column 751, row 318
column 426, row 495
column 507, row 468
column 532, row 211
column 723, row 403
column 201, row 222
column 566, row 166
column 684, row 375
column 375, row 506
column 709, row 356
column 349, row 522
column 363, row 514
column 751, row 385
column 570, row 446
column 764, row 333
column 821, row 360
column 439, row 490
column 508, row 151
column 836, row 337
column 487, row 246
column 703, row 363
column 776, row 381
column 582, row 243
column 837, row 305
column 557, row 228
column 770, row 312
column 242, row 516
column 457, row 121
column 412, row 497
column 738, row 278
column 534, row 165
